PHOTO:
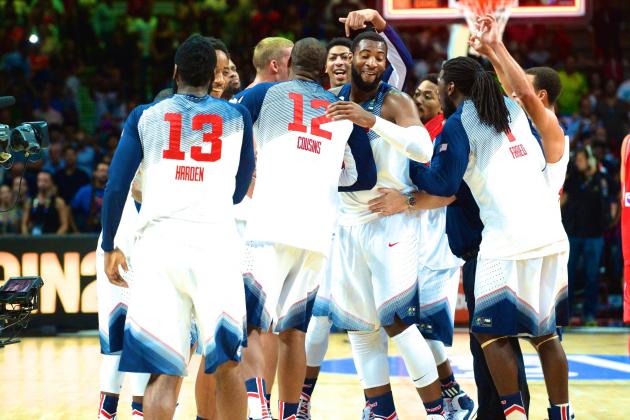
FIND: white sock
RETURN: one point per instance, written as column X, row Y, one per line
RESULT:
column 417, row 356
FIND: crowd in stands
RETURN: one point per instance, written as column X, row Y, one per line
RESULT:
column 82, row 65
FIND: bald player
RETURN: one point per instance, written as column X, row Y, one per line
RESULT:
column 293, row 224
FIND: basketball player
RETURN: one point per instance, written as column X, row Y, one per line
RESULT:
column 338, row 69
column 540, row 108
column 625, row 227
column 112, row 311
column 222, row 69
column 438, row 277
column 523, row 251
column 188, row 192
column 291, row 128
column 546, row 85
column 270, row 59
column 377, row 267
column 233, row 85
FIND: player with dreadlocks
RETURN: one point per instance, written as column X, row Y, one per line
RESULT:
column 487, row 141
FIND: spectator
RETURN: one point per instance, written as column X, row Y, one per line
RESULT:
column 11, row 213
column 87, row 202
column 611, row 111
column 583, row 124
column 46, row 212
column 573, row 87
column 70, row 178
column 586, row 213
column 86, row 152
column 54, row 158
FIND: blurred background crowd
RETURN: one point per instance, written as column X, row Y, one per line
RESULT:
column 83, row 65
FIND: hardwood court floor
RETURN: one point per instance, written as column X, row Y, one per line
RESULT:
column 57, row 378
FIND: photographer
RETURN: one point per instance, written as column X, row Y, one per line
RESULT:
column 46, row 212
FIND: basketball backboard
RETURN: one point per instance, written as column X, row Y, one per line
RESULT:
column 436, row 11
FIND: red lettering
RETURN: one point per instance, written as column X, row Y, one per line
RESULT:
column 298, row 113
column 198, row 121
column 518, row 151
column 213, row 137
column 315, row 122
column 174, row 137
column 298, row 116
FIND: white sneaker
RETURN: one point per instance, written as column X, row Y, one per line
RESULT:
column 304, row 409
column 462, row 407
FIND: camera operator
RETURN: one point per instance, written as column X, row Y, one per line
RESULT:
column 46, row 212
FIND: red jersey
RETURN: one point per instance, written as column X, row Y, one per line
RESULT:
column 625, row 232
column 434, row 126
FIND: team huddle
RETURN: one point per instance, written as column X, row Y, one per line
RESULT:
column 243, row 226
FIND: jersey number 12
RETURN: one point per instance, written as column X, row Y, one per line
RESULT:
column 298, row 116
column 198, row 121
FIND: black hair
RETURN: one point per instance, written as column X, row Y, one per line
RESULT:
column 548, row 79
column 217, row 44
column 308, row 56
column 369, row 35
column 344, row 42
column 481, row 87
column 430, row 77
column 196, row 59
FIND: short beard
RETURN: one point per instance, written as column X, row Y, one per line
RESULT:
column 449, row 107
column 363, row 86
column 230, row 91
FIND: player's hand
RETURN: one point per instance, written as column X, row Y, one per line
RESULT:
column 114, row 261
column 344, row 110
column 488, row 31
column 390, row 202
column 358, row 19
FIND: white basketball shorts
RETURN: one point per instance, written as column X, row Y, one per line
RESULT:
column 438, row 299
column 183, row 269
column 521, row 297
column 281, row 286
column 375, row 274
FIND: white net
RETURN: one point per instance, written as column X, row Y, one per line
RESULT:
column 499, row 8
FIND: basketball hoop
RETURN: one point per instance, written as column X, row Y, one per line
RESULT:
column 499, row 8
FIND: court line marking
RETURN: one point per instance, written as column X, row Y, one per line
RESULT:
column 596, row 361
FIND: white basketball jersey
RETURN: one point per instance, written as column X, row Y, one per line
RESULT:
column 392, row 169
column 191, row 154
column 555, row 173
column 299, row 160
column 126, row 233
column 520, row 214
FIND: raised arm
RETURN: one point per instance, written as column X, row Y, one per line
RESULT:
column 399, row 60
column 544, row 119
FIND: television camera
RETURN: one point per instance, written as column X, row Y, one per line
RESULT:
column 29, row 137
